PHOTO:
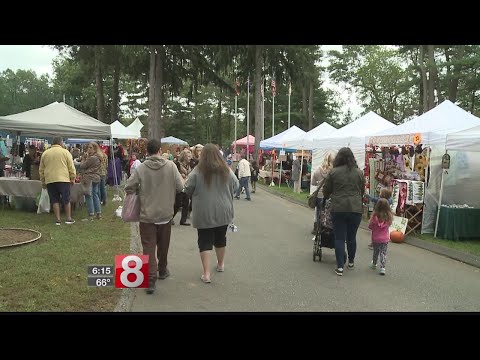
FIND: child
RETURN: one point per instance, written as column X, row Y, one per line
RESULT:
column 385, row 193
column 254, row 175
column 379, row 224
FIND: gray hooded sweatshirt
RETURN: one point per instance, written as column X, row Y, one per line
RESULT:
column 157, row 181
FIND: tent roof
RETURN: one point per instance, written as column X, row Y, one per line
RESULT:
column 441, row 120
column 365, row 125
column 120, row 131
column 465, row 140
column 243, row 141
column 321, row 131
column 306, row 140
column 55, row 119
column 135, row 127
column 280, row 140
column 173, row 140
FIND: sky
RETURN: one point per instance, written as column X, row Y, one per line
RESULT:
column 39, row 59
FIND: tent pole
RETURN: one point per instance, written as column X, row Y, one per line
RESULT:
column 280, row 171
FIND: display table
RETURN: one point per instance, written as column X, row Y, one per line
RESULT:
column 458, row 223
column 13, row 186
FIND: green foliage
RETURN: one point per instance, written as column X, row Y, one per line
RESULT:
column 23, row 90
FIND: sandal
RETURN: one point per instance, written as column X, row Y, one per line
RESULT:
column 205, row 279
column 220, row 269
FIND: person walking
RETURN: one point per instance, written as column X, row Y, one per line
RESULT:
column 385, row 193
column 318, row 179
column 212, row 185
column 57, row 175
column 345, row 185
column 90, row 168
column 157, row 181
column 244, row 177
column 297, row 175
column 254, row 175
column 380, row 225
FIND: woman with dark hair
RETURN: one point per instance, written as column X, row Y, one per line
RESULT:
column 212, row 185
column 345, row 185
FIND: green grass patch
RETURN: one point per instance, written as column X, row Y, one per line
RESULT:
column 287, row 191
column 467, row 246
column 51, row 274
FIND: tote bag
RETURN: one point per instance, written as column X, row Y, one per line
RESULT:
column 131, row 208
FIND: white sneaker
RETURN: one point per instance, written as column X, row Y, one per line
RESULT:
column 372, row 265
column 382, row 271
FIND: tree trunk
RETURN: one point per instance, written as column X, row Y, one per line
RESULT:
column 304, row 104
column 158, row 92
column 431, row 76
column 453, row 85
column 423, row 74
column 99, row 84
column 258, row 98
column 115, row 91
column 152, row 124
column 310, row 107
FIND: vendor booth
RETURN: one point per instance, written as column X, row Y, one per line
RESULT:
column 353, row 135
column 56, row 119
column 408, row 159
column 278, row 145
column 240, row 146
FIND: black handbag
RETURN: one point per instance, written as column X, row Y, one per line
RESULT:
column 312, row 199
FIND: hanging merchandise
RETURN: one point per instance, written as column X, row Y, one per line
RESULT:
column 446, row 161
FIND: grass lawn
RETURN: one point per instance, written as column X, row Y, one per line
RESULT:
column 51, row 274
column 467, row 246
column 287, row 191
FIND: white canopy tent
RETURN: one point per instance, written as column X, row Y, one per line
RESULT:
column 465, row 140
column 280, row 140
column 173, row 141
column 461, row 183
column 136, row 127
column 119, row 131
column 56, row 119
column 352, row 135
column 307, row 140
column 433, row 127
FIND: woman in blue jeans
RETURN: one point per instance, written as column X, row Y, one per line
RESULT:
column 345, row 185
column 90, row 168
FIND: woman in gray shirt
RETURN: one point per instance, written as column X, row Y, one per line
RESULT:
column 345, row 185
column 212, row 185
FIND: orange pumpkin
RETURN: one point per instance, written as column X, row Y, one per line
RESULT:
column 397, row 236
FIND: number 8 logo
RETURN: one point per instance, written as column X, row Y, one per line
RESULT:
column 123, row 270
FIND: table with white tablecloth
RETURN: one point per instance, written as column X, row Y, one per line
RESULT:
column 13, row 186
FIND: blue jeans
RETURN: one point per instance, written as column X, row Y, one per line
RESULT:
column 93, row 200
column 345, row 226
column 103, row 190
column 244, row 181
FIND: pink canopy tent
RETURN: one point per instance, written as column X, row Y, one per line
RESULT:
column 242, row 143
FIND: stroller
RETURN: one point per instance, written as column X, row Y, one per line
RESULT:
column 324, row 237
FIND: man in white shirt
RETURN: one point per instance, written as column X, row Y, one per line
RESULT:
column 244, row 177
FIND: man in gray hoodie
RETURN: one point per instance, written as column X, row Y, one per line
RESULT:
column 157, row 181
